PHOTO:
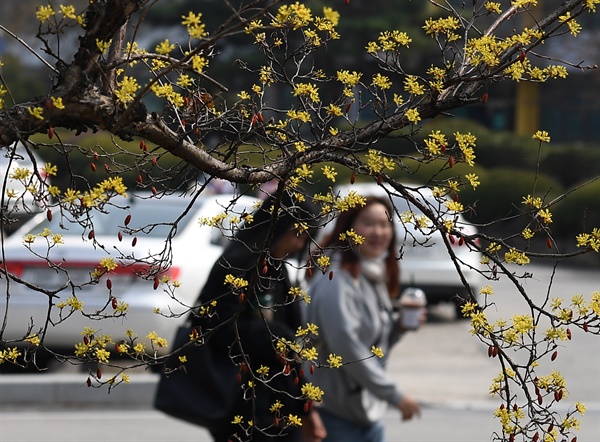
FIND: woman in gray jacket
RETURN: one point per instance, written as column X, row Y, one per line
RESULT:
column 354, row 313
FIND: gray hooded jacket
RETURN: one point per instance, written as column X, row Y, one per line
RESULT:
column 353, row 315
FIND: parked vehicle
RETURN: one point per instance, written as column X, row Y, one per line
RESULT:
column 16, row 195
column 135, row 232
column 425, row 262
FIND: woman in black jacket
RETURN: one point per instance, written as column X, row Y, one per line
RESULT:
column 250, row 285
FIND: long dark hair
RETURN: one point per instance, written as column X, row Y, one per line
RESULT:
column 350, row 260
column 256, row 234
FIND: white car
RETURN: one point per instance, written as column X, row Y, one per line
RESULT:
column 15, row 194
column 425, row 262
column 195, row 248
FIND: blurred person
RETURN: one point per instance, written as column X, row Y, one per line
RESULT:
column 243, row 329
column 354, row 313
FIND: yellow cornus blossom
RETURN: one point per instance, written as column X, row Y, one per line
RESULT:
column 376, row 162
column 304, row 171
column 334, row 110
column 473, row 180
column 263, row 371
column 398, row 100
column 574, row 27
column 309, row 354
column 156, row 340
column 352, row 237
column 412, row 86
column 466, row 142
column 103, row 46
column 311, row 329
column 527, row 233
column 389, row 41
column 445, row 26
column 164, row 47
column 68, row 11
column 266, row 75
column 545, row 215
column 312, row 392
column 541, row 135
column 348, row 78
column 72, row 302
column 199, row 63
column 195, row 27
column 515, row 257
column 102, row 355
column 299, row 115
column 294, row 420
column 331, row 15
column 413, row 116
column 493, row 7
column 307, row 90
column 334, row 361
column 238, row 283
column 534, row 202
column 126, row 89
column 237, row 420
column 454, row 206
column 381, row 81
column 377, row 351
column 483, row 50
column 295, row 16
column 323, row 261
column 523, row 323
column 44, row 13
column 37, row 112
column 33, row 340
column 57, row 102
column 9, row 355
column 166, row 91
column 329, row 172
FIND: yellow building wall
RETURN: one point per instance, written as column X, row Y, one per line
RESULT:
column 527, row 108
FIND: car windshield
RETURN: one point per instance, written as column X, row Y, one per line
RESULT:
column 155, row 217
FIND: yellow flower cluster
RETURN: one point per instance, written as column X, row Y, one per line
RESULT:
column 334, row 361
column 195, row 27
column 377, row 351
column 412, row 86
column 9, row 355
column 508, row 417
column 238, row 283
column 126, row 89
column 297, row 292
column 311, row 329
column 513, row 256
column 466, row 143
column 312, row 392
column 295, row 16
column 590, row 239
column 306, row 90
column 166, row 91
column 352, row 237
column 442, row 26
column 156, row 340
column 377, row 162
column 93, row 346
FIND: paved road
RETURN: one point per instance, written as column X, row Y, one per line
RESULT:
column 442, row 365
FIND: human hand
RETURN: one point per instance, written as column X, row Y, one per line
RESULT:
column 409, row 408
column 313, row 429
